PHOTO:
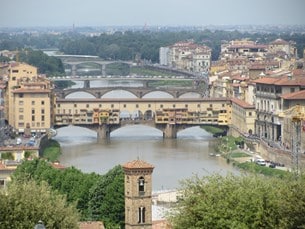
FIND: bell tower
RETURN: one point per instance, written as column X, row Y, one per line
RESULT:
column 138, row 191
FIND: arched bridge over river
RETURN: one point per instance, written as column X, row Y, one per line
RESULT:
column 168, row 115
column 139, row 92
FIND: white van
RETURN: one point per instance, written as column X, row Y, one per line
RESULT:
column 18, row 141
column 260, row 161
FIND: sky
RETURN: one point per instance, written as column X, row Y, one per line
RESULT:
column 19, row 13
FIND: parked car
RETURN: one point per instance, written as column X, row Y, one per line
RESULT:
column 260, row 161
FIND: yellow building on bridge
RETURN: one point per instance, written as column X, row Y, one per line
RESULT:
column 160, row 112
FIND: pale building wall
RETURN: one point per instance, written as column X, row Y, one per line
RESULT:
column 16, row 72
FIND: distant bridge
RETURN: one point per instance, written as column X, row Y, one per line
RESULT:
column 168, row 115
column 139, row 92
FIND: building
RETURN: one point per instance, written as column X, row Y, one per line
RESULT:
column 243, row 117
column 28, row 99
column 288, row 102
column 163, row 55
column 269, row 104
column 187, row 56
column 138, row 194
column 282, row 48
column 243, row 48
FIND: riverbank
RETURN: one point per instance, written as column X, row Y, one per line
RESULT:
column 51, row 151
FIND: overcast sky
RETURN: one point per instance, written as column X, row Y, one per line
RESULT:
column 14, row 13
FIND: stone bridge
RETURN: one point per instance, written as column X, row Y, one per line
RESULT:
column 167, row 115
column 139, row 92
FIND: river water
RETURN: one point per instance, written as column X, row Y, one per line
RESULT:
column 174, row 159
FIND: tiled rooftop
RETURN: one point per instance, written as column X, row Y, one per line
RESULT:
column 138, row 164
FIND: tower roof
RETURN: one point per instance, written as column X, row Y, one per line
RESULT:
column 137, row 164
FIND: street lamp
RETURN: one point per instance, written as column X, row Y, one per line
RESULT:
column 39, row 225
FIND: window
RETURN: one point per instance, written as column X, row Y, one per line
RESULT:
column 100, row 105
column 21, row 124
column 42, row 102
column 33, row 118
column 186, row 106
column 42, row 118
column 20, row 117
column 198, row 105
column 250, row 113
column 141, row 215
column 124, row 105
column 20, row 110
column 292, row 90
column 141, row 183
column 33, row 111
column 149, row 105
column 21, row 95
column 15, row 71
column 161, row 105
column 75, row 105
column 174, row 105
column 137, row 105
column 58, row 105
column 33, row 103
column 20, row 103
column 112, row 105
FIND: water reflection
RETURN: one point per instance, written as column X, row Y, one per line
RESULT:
column 174, row 159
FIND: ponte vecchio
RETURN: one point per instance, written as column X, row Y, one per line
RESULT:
column 169, row 115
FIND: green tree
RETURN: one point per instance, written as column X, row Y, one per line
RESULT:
column 46, row 64
column 70, row 181
column 240, row 202
column 23, row 204
column 107, row 198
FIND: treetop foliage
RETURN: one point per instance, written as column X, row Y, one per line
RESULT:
column 144, row 44
column 240, row 202
column 23, row 204
column 46, row 64
column 97, row 197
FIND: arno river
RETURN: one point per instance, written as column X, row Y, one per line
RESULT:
column 174, row 159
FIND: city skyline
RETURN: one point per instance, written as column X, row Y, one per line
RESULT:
column 44, row 13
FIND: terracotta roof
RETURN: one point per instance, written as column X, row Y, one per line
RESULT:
column 242, row 103
column 298, row 95
column 283, row 80
column 91, row 225
column 138, row 164
column 56, row 165
column 279, row 42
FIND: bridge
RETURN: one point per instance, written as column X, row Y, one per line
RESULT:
column 139, row 92
column 75, row 60
column 168, row 115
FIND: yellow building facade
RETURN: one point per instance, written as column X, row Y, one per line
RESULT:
column 243, row 117
column 28, row 100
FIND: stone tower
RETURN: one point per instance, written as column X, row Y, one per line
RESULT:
column 138, row 191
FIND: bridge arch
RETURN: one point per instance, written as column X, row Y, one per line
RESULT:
column 83, row 93
column 155, row 93
column 190, row 95
column 119, row 93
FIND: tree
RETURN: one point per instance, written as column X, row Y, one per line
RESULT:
column 23, row 204
column 107, row 198
column 240, row 202
column 70, row 181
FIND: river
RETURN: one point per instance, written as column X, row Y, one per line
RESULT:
column 174, row 159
